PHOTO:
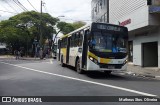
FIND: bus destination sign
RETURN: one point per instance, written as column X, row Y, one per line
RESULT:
column 109, row 27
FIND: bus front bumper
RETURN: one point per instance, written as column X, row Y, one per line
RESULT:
column 105, row 67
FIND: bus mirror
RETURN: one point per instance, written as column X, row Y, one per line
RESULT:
column 80, row 50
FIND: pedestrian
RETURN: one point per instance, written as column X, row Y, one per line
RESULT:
column 46, row 55
column 41, row 53
column 19, row 54
column 16, row 54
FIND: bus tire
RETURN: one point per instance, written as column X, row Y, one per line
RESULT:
column 78, row 68
column 62, row 64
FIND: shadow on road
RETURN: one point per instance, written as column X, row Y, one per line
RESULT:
column 113, row 76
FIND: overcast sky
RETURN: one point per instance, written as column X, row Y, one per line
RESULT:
column 73, row 10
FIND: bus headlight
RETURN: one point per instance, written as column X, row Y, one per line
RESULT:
column 93, row 60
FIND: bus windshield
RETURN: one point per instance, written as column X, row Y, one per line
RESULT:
column 107, row 42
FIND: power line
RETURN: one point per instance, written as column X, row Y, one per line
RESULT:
column 11, row 6
column 22, row 5
column 8, row 11
column 18, row 5
column 32, row 5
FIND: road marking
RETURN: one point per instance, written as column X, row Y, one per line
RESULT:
column 82, row 80
column 51, row 61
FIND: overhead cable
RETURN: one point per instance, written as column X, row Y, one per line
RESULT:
column 18, row 5
column 11, row 6
column 22, row 5
column 32, row 5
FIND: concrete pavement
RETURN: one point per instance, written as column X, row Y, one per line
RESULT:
column 150, row 72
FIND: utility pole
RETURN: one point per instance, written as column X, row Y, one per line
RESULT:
column 41, row 32
column 40, row 41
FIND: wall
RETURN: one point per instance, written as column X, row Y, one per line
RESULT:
column 137, row 47
column 135, row 10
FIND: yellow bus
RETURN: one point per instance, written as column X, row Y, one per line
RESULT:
column 95, row 47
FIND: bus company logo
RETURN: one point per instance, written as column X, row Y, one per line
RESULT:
column 6, row 99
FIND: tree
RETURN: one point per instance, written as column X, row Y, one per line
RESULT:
column 66, row 28
column 23, row 28
column 78, row 24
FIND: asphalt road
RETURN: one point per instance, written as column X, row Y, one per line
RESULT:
column 48, row 78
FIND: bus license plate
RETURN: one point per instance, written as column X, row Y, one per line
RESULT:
column 111, row 67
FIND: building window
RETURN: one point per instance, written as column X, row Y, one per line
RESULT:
column 149, row 2
column 95, row 10
column 105, row 17
column 100, row 3
column 93, row 13
column 97, row 7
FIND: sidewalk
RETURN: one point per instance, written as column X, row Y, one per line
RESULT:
column 6, row 56
column 21, row 58
column 150, row 72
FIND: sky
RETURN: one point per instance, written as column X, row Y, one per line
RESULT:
column 66, row 10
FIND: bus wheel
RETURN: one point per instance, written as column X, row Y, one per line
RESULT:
column 62, row 64
column 78, row 68
column 107, row 72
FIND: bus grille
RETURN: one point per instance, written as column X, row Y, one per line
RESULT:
column 111, row 66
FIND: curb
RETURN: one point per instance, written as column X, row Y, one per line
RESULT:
column 157, row 77
column 143, row 75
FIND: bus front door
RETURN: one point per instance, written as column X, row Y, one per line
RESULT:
column 85, row 49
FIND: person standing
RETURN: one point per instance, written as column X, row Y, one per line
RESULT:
column 16, row 54
column 41, row 53
column 19, row 54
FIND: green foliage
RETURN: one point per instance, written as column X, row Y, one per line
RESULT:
column 78, row 24
column 66, row 28
column 24, row 27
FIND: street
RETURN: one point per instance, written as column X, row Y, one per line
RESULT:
column 48, row 78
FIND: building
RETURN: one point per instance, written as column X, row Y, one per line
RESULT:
column 142, row 17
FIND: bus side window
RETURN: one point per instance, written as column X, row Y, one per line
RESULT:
column 71, row 41
column 65, row 42
column 73, row 36
column 81, row 38
column 59, row 44
column 76, row 39
column 62, row 43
